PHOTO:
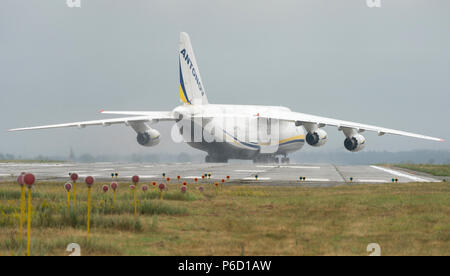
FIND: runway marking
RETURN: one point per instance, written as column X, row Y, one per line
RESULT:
column 78, row 172
column 250, row 171
column 317, row 179
column 192, row 177
column 5, row 174
column 371, row 180
column 54, row 165
column 37, row 165
column 140, row 176
column 86, row 175
column 289, row 167
column 400, row 174
column 103, row 170
column 200, row 178
column 259, row 178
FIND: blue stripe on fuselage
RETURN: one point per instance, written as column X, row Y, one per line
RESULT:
column 182, row 85
column 293, row 141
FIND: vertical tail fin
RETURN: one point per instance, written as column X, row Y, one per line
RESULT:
column 192, row 90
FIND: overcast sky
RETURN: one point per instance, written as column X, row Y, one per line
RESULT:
column 387, row 66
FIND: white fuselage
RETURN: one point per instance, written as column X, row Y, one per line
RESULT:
column 236, row 131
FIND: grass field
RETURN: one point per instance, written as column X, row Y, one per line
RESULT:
column 404, row 219
column 437, row 170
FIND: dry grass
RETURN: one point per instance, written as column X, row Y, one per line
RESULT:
column 437, row 170
column 405, row 219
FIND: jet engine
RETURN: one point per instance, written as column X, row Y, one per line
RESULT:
column 355, row 143
column 317, row 138
column 149, row 138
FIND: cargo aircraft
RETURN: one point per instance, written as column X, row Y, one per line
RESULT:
column 251, row 132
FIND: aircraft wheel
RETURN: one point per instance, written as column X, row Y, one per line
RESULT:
column 285, row 160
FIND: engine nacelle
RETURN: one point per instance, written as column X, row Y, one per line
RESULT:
column 149, row 138
column 355, row 143
column 317, row 138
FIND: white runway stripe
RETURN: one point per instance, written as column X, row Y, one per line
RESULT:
column 86, row 175
column 37, row 165
column 250, row 171
column 259, row 178
column 400, row 174
column 317, row 179
column 371, row 180
column 140, row 176
column 289, row 167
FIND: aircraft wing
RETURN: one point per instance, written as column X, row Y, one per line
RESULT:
column 305, row 119
column 302, row 118
column 156, row 115
column 149, row 117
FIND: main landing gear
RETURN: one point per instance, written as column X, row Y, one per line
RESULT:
column 285, row 160
column 270, row 160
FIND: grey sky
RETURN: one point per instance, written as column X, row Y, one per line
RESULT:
column 388, row 66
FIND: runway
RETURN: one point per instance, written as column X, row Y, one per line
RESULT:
column 242, row 174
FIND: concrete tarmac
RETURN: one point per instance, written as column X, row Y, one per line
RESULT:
column 244, row 174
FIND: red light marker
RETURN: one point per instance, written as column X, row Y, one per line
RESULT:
column 114, row 186
column 68, row 186
column 29, row 179
column 89, row 181
column 74, row 177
